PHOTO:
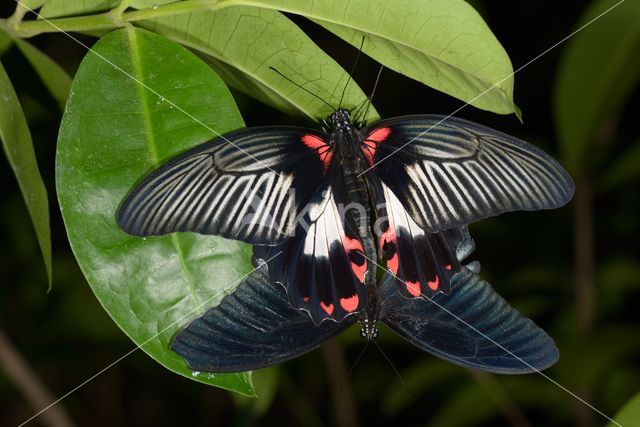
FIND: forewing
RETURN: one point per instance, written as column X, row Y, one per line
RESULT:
column 252, row 328
column 323, row 266
column 473, row 327
column 249, row 185
column 424, row 261
column 449, row 172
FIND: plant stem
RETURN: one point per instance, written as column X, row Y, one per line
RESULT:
column 27, row 381
column 341, row 395
column 103, row 21
column 584, row 251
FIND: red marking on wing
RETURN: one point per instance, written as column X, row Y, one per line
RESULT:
column 370, row 144
column 413, row 288
column 324, row 150
column 389, row 236
column 392, row 263
column 434, row 285
column 328, row 308
column 306, row 299
column 349, row 304
column 350, row 244
column 448, row 267
column 355, row 245
column 359, row 270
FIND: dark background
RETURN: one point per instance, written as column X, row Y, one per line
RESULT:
column 530, row 258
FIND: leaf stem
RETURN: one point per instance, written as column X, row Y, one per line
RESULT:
column 111, row 20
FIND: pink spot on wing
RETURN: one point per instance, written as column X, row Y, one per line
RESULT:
column 355, row 245
column 392, row 263
column 350, row 244
column 349, row 304
column 320, row 145
column 359, row 270
column 328, row 308
column 389, row 236
column 448, row 267
column 306, row 299
column 370, row 144
column 413, row 288
column 379, row 135
column 433, row 285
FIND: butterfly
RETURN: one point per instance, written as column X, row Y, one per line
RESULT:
column 330, row 206
column 256, row 326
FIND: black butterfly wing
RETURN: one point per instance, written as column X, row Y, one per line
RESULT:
column 249, row 185
column 451, row 172
column 473, row 327
column 252, row 328
column 323, row 266
column 424, row 262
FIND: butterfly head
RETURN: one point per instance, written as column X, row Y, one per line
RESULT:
column 369, row 329
column 340, row 119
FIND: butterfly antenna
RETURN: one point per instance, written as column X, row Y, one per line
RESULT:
column 402, row 381
column 375, row 86
column 301, row 87
column 353, row 367
column 353, row 68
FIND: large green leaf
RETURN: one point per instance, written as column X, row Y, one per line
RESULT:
column 629, row 415
column 444, row 44
column 52, row 75
column 17, row 144
column 243, row 42
column 113, row 132
column 597, row 73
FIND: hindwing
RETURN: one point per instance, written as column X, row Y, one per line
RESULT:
column 424, row 261
column 323, row 265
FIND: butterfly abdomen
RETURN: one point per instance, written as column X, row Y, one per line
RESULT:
column 357, row 220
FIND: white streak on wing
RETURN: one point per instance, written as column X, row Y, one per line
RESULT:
column 231, row 202
column 309, row 241
column 240, row 216
column 320, row 238
column 433, row 193
column 278, row 215
column 453, row 170
column 432, row 170
column 220, row 189
column 414, row 175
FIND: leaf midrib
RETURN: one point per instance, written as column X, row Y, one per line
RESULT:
column 152, row 145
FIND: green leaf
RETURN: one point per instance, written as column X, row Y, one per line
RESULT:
column 114, row 131
column 33, row 4
column 444, row 44
column 53, row 76
column 65, row 8
column 5, row 42
column 598, row 71
column 18, row 146
column 625, row 169
column 62, row 8
column 629, row 415
column 243, row 42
